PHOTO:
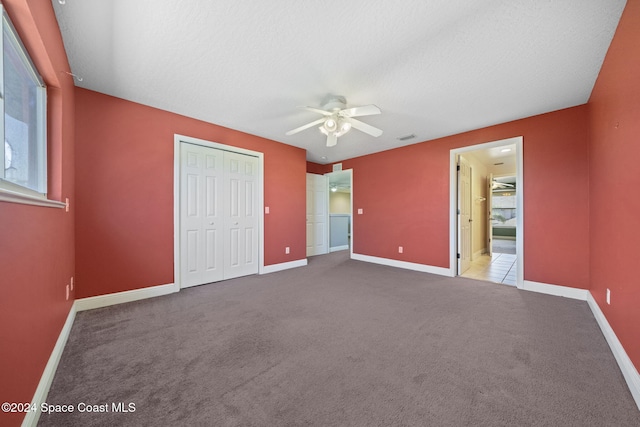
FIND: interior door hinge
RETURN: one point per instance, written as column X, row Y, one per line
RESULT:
column 458, row 256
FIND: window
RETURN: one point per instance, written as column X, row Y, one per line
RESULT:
column 22, row 119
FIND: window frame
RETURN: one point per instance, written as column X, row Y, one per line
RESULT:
column 10, row 191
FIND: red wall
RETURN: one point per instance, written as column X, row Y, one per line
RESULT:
column 615, row 180
column 318, row 168
column 405, row 197
column 36, row 243
column 124, row 227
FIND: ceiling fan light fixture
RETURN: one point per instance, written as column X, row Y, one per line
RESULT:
column 331, row 125
column 343, row 127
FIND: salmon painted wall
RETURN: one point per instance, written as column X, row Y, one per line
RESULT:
column 36, row 243
column 318, row 168
column 124, row 227
column 404, row 193
column 615, row 180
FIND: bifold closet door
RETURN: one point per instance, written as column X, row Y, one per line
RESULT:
column 240, row 215
column 201, row 211
column 218, row 218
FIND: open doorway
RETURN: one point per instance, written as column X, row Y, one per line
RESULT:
column 503, row 215
column 486, row 212
column 340, row 203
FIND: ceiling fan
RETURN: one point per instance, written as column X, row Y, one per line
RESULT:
column 338, row 119
column 497, row 185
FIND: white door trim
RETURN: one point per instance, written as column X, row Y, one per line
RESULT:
column 453, row 184
column 179, row 139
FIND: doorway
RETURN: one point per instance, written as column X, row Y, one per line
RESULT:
column 482, row 235
column 340, row 202
column 218, row 205
column 329, row 212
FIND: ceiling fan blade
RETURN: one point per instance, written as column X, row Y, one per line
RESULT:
column 319, row 111
column 365, row 110
column 361, row 126
column 307, row 126
column 498, row 184
column 332, row 139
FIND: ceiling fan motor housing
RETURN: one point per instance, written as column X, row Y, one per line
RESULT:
column 335, row 103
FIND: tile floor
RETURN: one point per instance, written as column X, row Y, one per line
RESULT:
column 499, row 268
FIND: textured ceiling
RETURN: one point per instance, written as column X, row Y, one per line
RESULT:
column 434, row 68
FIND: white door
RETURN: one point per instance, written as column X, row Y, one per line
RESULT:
column 464, row 215
column 317, row 210
column 489, row 214
column 201, row 231
column 241, row 216
column 218, row 219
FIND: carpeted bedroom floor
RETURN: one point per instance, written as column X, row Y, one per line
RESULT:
column 342, row 343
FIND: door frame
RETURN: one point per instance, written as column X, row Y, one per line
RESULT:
column 177, row 141
column 453, row 203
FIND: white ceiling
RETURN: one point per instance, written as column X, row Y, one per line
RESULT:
column 499, row 161
column 435, row 68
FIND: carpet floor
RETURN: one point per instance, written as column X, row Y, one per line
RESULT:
column 342, row 343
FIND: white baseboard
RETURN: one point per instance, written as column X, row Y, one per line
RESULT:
column 403, row 264
column 339, row 248
column 31, row 418
column 126, row 296
column 629, row 371
column 283, row 266
column 561, row 291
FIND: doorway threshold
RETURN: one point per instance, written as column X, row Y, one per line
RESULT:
column 498, row 268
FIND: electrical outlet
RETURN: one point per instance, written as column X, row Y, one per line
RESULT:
column 266, row 209
column 71, row 282
column 400, row 249
column 66, row 204
column 286, row 250
column 608, row 296
column 360, row 211
column 67, row 293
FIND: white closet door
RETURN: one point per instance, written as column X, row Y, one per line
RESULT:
column 201, row 233
column 241, row 215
